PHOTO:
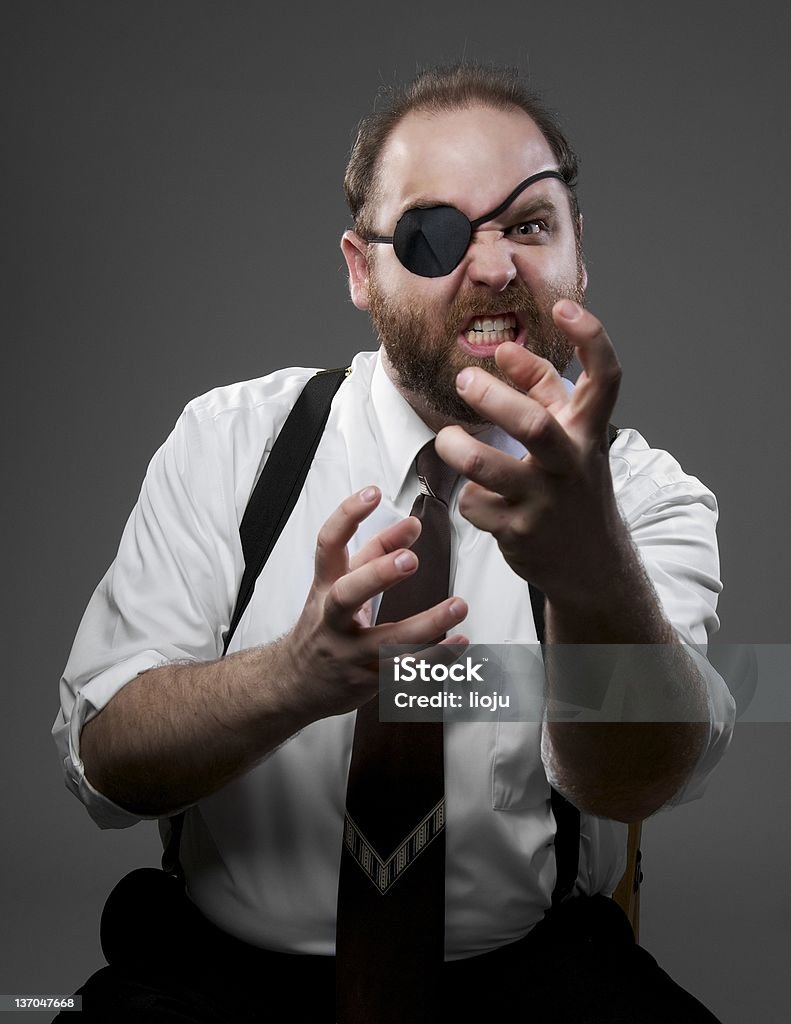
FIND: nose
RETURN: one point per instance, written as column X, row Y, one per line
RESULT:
column 490, row 260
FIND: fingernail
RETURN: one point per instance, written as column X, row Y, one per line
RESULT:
column 405, row 561
column 456, row 608
column 464, row 378
column 369, row 494
column 568, row 309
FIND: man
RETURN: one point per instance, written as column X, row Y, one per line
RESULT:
column 478, row 310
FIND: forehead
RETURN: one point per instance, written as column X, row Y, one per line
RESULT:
column 470, row 159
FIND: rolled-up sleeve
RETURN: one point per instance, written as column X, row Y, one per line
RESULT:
column 672, row 519
column 166, row 597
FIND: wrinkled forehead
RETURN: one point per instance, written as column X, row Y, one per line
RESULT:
column 469, row 158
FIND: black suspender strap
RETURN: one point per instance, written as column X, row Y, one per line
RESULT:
column 281, row 481
column 567, row 817
column 271, row 503
column 537, row 603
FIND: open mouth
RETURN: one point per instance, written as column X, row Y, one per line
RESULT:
column 491, row 329
column 484, row 333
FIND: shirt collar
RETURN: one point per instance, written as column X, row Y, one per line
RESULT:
column 400, row 432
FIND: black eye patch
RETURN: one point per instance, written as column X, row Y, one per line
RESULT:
column 431, row 241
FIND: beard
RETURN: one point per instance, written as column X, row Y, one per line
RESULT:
column 425, row 355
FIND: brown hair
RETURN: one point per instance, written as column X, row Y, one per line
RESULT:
column 446, row 88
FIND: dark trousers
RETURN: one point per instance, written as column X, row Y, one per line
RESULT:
column 580, row 965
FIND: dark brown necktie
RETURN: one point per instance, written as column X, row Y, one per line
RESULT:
column 391, row 896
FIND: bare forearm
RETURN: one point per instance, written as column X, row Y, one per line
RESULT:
column 557, row 523
column 623, row 769
column 178, row 733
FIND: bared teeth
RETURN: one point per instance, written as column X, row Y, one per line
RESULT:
column 492, row 329
column 492, row 324
column 488, row 337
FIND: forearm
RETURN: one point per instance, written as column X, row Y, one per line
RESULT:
column 623, row 769
column 557, row 523
column 178, row 733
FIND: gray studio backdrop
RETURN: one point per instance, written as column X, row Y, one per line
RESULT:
column 171, row 214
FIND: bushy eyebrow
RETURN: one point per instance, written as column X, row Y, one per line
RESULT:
column 540, row 206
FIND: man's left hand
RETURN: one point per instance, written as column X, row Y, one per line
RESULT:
column 553, row 512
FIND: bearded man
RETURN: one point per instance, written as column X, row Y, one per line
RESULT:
column 465, row 250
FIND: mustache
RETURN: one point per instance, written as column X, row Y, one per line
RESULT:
column 516, row 299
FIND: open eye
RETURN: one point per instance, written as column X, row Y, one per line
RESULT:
column 527, row 228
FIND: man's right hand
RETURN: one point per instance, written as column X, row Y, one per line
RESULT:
column 333, row 648
column 178, row 733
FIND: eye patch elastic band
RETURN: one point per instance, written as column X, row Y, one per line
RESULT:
column 431, row 241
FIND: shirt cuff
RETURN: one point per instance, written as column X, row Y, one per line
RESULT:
column 89, row 701
column 722, row 717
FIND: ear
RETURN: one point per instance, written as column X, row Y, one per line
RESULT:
column 354, row 249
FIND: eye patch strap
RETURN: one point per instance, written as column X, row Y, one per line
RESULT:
column 517, row 191
column 497, row 210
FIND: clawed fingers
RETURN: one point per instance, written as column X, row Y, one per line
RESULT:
column 597, row 387
column 331, row 556
column 383, row 562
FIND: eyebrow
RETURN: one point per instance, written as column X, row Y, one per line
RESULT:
column 539, row 205
column 526, row 210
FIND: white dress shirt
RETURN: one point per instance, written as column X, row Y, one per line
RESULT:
column 261, row 856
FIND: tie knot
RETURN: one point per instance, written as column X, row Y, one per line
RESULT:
column 437, row 475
